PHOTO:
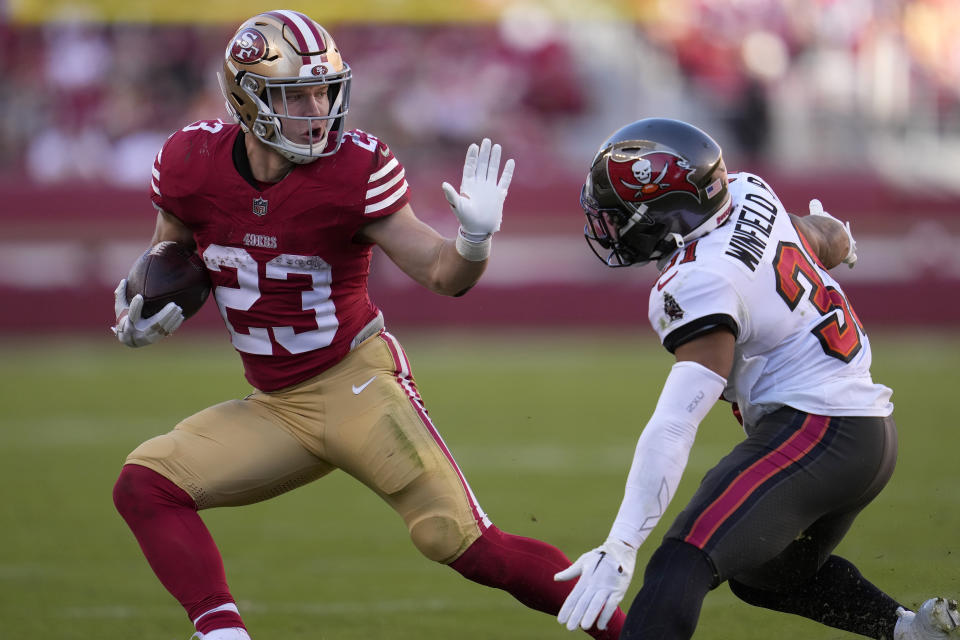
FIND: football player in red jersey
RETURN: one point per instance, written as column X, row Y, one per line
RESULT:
column 745, row 302
column 284, row 207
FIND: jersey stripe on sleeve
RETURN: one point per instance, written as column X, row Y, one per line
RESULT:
column 155, row 180
column 385, row 187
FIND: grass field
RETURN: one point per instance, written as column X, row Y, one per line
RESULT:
column 544, row 427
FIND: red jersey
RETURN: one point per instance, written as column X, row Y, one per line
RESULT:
column 287, row 274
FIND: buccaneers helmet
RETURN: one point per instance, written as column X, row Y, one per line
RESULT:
column 272, row 53
column 654, row 185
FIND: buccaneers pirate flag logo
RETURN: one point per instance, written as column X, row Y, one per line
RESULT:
column 639, row 179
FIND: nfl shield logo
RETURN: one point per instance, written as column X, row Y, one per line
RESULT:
column 259, row 206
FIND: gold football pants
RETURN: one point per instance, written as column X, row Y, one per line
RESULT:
column 364, row 416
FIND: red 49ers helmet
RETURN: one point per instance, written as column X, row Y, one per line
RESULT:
column 272, row 53
column 653, row 186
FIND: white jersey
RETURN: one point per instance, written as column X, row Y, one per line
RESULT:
column 798, row 341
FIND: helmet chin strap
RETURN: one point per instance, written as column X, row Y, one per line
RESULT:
column 335, row 108
column 636, row 217
column 680, row 244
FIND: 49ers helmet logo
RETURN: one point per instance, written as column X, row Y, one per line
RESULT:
column 650, row 176
column 249, row 46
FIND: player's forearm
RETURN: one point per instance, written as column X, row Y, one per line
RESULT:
column 452, row 274
column 827, row 237
column 830, row 238
column 663, row 449
column 169, row 227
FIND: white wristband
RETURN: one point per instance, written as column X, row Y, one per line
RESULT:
column 472, row 247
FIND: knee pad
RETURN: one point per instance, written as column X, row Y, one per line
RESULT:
column 127, row 489
column 139, row 490
column 440, row 538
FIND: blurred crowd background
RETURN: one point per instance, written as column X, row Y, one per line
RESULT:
column 848, row 97
column 819, row 83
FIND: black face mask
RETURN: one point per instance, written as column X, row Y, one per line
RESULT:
column 618, row 240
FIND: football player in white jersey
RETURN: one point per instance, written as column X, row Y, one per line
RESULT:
column 746, row 304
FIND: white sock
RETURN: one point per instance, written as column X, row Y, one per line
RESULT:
column 233, row 633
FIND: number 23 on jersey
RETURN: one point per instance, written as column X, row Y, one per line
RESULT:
column 315, row 299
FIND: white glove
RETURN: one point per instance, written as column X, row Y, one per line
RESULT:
column 605, row 574
column 816, row 209
column 135, row 331
column 479, row 204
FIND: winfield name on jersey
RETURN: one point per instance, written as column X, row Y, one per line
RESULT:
column 752, row 228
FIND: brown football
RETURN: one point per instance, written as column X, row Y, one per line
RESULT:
column 169, row 272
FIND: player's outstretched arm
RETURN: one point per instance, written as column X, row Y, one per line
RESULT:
column 450, row 266
column 830, row 238
column 423, row 254
column 692, row 388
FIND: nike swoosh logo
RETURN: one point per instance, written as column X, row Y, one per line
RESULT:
column 662, row 284
column 357, row 390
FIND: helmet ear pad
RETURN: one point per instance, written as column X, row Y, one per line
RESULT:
column 646, row 239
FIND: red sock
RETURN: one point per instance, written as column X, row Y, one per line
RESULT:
column 164, row 519
column 524, row 568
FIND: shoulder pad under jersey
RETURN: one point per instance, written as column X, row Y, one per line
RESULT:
column 189, row 155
